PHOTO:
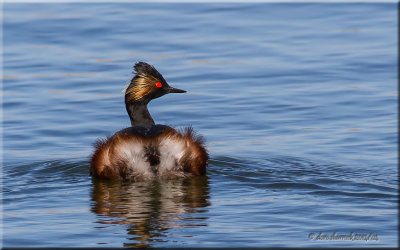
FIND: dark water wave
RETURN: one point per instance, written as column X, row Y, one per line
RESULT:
column 276, row 173
column 290, row 173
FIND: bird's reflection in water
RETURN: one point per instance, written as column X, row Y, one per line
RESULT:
column 150, row 209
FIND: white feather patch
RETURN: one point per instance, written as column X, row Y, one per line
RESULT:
column 133, row 153
column 171, row 151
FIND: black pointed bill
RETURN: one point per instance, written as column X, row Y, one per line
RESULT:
column 175, row 90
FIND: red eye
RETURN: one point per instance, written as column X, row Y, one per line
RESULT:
column 158, row 85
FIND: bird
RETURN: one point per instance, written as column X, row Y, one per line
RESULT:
column 145, row 150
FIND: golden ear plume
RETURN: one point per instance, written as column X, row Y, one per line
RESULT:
column 141, row 85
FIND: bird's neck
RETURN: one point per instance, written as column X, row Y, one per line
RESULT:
column 139, row 114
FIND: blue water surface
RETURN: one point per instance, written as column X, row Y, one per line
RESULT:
column 297, row 103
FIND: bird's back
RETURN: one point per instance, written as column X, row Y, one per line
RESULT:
column 149, row 152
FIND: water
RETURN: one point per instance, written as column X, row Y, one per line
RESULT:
column 297, row 102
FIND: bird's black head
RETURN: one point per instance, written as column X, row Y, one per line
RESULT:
column 147, row 84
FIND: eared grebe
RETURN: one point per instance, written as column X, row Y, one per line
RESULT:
column 145, row 150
